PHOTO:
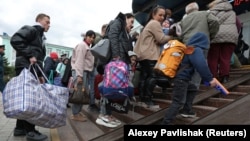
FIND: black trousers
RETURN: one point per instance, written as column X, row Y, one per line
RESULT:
column 23, row 124
column 147, row 78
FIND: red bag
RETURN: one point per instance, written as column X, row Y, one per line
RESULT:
column 98, row 79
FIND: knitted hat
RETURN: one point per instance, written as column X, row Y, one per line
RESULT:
column 200, row 40
column 53, row 55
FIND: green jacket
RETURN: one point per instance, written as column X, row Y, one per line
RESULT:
column 199, row 21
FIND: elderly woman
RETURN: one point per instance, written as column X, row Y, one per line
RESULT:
column 225, row 41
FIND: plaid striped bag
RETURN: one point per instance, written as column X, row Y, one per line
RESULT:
column 40, row 104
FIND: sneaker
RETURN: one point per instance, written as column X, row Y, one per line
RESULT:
column 105, row 123
column 82, row 115
column 79, row 117
column 110, row 119
column 117, row 122
column 185, row 114
column 19, row 132
column 35, row 136
column 149, row 102
column 93, row 108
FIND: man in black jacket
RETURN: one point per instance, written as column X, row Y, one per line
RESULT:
column 29, row 43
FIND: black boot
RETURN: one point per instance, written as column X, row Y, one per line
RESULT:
column 224, row 79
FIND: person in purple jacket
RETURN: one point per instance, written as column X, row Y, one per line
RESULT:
column 184, row 91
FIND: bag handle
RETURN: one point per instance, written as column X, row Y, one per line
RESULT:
column 32, row 67
column 45, row 77
column 51, row 77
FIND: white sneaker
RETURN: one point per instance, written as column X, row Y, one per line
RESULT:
column 110, row 119
column 104, row 123
column 118, row 122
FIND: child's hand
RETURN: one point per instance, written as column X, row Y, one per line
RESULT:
column 213, row 83
column 133, row 60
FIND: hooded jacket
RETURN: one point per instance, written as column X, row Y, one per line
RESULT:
column 50, row 65
column 196, row 60
column 199, row 21
column 120, row 40
column 228, row 32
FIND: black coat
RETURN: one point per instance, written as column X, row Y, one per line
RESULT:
column 50, row 65
column 28, row 42
column 67, row 73
column 120, row 40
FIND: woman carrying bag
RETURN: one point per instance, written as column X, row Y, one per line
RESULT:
column 82, row 63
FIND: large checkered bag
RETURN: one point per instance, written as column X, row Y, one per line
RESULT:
column 40, row 104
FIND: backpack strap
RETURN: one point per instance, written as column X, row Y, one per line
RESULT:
column 189, row 50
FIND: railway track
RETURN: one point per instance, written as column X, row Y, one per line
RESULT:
column 210, row 105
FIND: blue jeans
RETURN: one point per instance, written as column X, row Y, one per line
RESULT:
column 183, row 95
column 196, row 78
column 92, row 75
column 103, row 109
column 104, row 100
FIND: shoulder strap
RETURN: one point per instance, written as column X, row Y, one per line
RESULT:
column 189, row 50
column 51, row 77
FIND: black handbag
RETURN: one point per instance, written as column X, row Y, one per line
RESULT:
column 80, row 95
